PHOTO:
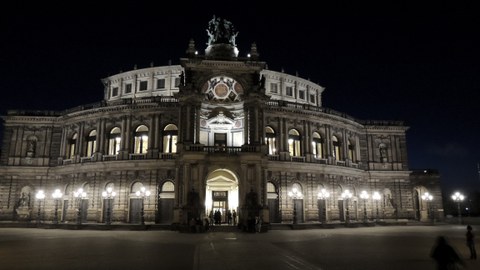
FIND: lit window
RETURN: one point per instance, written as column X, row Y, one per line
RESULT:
column 336, row 148
column 72, row 146
column 270, row 140
column 168, row 187
column 141, row 140
column 351, row 152
column 294, row 143
column 317, row 146
column 114, row 141
column 170, row 136
column 91, row 143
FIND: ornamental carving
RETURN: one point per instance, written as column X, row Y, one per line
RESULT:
column 222, row 89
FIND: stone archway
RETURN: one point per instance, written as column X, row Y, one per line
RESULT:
column 221, row 195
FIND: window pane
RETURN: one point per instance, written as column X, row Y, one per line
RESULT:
column 143, row 85
column 160, row 83
column 128, row 88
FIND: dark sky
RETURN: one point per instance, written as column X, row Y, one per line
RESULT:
column 419, row 64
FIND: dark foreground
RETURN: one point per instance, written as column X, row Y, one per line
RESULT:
column 390, row 247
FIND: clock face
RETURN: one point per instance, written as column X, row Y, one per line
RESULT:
column 222, row 89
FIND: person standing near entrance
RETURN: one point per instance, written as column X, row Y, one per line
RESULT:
column 229, row 217
column 234, row 215
column 471, row 243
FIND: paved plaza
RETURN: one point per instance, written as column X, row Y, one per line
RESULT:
column 381, row 247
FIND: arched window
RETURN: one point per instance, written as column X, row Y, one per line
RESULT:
column 170, row 137
column 91, row 143
column 168, row 187
column 270, row 140
column 294, row 143
column 317, row 146
column 297, row 191
column 137, row 186
column 114, row 139
column 336, row 148
column 141, row 140
column 351, row 151
column 72, row 146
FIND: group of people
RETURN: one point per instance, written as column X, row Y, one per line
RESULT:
column 216, row 217
column 446, row 256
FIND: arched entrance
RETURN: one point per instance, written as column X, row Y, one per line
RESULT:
column 221, row 196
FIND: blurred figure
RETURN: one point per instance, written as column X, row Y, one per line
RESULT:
column 445, row 255
column 471, row 243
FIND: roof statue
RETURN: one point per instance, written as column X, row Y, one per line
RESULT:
column 221, row 31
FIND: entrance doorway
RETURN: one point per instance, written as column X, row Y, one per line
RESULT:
column 221, row 198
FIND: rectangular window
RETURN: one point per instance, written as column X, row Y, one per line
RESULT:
column 312, row 98
column 273, row 88
column 289, row 91
column 143, row 85
column 160, row 83
column 114, row 91
column 301, row 94
column 177, row 82
column 128, row 88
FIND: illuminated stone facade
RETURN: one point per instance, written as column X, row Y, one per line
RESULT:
column 217, row 132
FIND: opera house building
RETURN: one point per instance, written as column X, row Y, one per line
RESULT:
column 215, row 134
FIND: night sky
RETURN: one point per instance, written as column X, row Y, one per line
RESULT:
column 419, row 64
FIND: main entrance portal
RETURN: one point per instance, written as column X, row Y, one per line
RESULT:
column 221, row 198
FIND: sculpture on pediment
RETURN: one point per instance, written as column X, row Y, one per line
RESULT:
column 221, row 31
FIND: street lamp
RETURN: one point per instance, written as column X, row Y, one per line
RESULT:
column 56, row 195
column 323, row 194
column 143, row 193
column 108, row 194
column 376, row 197
column 458, row 198
column 364, row 195
column 346, row 195
column 40, row 196
column 295, row 194
column 427, row 197
column 80, row 195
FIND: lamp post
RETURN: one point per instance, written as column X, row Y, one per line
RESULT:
column 322, row 195
column 79, row 195
column 142, row 193
column 346, row 195
column 427, row 197
column 56, row 195
column 108, row 194
column 376, row 197
column 458, row 198
column 295, row 194
column 40, row 196
column 364, row 195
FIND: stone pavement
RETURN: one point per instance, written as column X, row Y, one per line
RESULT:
column 372, row 248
